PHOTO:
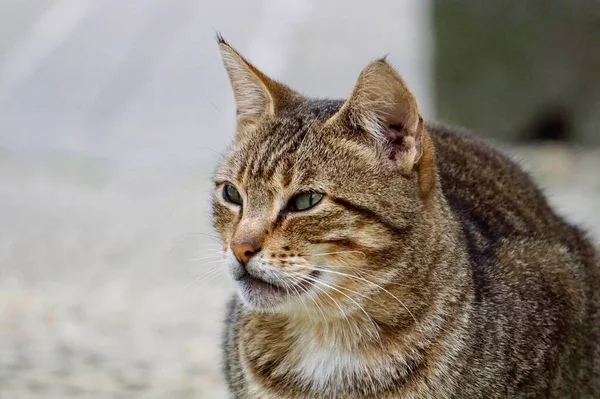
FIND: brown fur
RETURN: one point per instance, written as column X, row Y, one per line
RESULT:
column 443, row 271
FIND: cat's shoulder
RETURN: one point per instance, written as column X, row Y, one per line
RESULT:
column 489, row 188
column 453, row 142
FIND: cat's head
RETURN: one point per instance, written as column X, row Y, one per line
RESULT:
column 315, row 199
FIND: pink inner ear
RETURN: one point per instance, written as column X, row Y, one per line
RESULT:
column 398, row 127
column 403, row 148
column 396, row 139
column 396, row 133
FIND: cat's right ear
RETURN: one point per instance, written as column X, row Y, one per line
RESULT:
column 255, row 93
column 382, row 106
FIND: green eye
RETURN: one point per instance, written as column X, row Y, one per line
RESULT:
column 304, row 201
column 231, row 194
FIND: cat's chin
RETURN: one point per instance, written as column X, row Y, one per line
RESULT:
column 259, row 294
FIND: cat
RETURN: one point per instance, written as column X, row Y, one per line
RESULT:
column 378, row 256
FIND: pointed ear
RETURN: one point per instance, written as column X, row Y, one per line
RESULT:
column 255, row 94
column 382, row 107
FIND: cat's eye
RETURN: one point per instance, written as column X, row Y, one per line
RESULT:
column 231, row 194
column 304, row 201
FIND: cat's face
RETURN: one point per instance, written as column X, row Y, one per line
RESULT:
column 301, row 196
column 309, row 206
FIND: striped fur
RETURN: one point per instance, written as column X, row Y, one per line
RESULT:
column 441, row 271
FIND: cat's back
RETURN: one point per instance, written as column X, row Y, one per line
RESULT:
column 520, row 250
column 491, row 192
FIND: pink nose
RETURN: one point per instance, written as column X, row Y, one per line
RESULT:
column 243, row 251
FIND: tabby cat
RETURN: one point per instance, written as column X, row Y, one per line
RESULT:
column 376, row 256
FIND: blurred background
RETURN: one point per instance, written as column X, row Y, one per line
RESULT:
column 114, row 113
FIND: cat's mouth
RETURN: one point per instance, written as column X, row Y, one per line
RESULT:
column 254, row 283
column 257, row 284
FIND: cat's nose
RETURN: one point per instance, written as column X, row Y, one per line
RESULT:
column 243, row 251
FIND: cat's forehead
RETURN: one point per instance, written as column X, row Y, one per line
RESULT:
column 282, row 148
column 296, row 119
column 278, row 152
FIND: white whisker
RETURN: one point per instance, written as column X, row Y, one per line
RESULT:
column 369, row 282
column 298, row 294
column 336, row 304
column 217, row 268
column 315, row 280
column 216, row 257
column 298, row 280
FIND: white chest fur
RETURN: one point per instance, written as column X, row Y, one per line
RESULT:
column 319, row 365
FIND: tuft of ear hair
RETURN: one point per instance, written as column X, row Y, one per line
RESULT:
column 382, row 106
column 255, row 94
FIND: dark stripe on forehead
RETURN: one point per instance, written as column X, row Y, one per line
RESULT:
column 285, row 155
column 285, row 146
column 286, row 135
column 243, row 167
column 371, row 215
column 288, row 175
column 285, row 139
column 267, row 145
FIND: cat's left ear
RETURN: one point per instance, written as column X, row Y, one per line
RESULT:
column 382, row 106
column 256, row 95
